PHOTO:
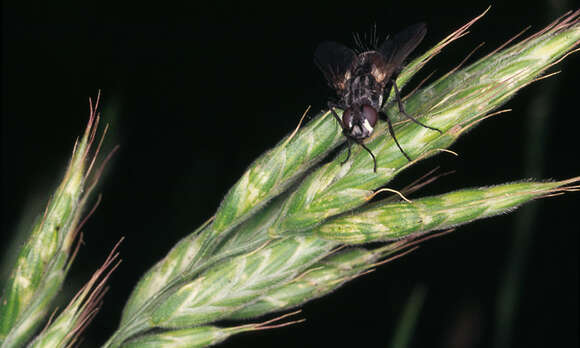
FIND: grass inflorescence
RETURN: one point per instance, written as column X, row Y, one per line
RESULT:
column 296, row 226
column 277, row 240
column 45, row 258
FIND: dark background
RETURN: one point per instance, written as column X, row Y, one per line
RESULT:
column 194, row 94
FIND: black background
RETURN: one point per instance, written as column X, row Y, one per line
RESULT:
column 193, row 94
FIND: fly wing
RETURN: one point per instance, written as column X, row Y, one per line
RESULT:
column 335, row 61
column 396, row 49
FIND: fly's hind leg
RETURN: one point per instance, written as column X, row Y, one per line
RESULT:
column 392, row 133
column 402, row 110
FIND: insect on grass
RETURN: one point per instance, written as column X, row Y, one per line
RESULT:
column 362, row 80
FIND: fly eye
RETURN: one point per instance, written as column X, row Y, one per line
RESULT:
column 370, row 115
column 347, row 118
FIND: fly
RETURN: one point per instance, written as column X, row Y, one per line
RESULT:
column 361, row 80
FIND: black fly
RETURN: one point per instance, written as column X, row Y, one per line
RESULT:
column 362, row 80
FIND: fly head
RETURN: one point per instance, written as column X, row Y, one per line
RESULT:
column 358, row 122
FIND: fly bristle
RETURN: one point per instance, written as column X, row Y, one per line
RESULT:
column 368, row 42
column 358, row 42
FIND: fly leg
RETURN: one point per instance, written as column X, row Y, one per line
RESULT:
column 392, row 133
column 402, row 110
column 350, row 141
column 348, row 155
column 331, row 107
column 370, row 152
column 345, row 131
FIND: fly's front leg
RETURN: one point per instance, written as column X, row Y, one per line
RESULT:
column 348, row 155
column 370, row 152
column 331, row 107
column 345, row 131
